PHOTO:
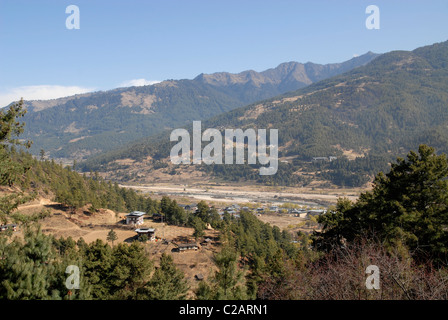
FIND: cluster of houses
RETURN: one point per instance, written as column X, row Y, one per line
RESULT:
column 301, row 213
column 135, row 218
column 235, row 210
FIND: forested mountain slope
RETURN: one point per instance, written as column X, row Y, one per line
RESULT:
column 385, row 108
column 80, row 126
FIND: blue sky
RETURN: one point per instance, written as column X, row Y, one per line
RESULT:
column 137, row 42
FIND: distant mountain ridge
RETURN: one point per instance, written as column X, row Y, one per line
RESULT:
column 287, row 72
column 84, row 125
column 288, row 76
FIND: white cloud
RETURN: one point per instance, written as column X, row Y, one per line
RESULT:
column 355, row 55
column 138, row 83
column 40, row 92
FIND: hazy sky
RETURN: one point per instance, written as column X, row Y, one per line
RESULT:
column 136, row 42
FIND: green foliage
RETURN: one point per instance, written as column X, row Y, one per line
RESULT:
column 115, row 273
column 255, row 238
column 112, row 236
column 174, row 214
column 408, row 205
column 10, row 127
column 167, row 282
column 228, row 282
column 129, row 270
column 97, row 266
column 34, row 269
column 198, row 225
column 203, row 212
column 11, row 168
column 74, row 190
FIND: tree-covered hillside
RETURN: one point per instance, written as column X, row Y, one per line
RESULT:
column 84, row 125
column 382, row 109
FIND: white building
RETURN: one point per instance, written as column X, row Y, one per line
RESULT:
column 135, row 218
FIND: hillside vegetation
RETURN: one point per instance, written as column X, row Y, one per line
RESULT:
column 377, row 111
column 400, row 227
column 84, row 125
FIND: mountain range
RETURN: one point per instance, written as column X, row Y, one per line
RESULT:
column 85, row 125
column 370, row 114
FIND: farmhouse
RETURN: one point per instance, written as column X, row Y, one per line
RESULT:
column 188, row 246
column 324, row 159
column 317, row 159
column 299, row 213
column 315, row 212
column 149, row 232
column 8, row 226
column 206, row 242
column 189, row 207
column 135, row 218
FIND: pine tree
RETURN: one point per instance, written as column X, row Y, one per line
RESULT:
column 112, row 236
column 198, row 226
column 228, row 282
column 167, row 282
column 11, row 169
column 203, row 211
column 130, row 269
column 98, row 263
column 42, row 154
column 28, row 269
column 408, row 205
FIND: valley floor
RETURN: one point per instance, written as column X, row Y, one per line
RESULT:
column 250, row 193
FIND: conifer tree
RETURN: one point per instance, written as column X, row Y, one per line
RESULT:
column 130, row 269
column 167, row 282
column 228, row 282
column 112, row 236
column 408, row 205
column 11, row 169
